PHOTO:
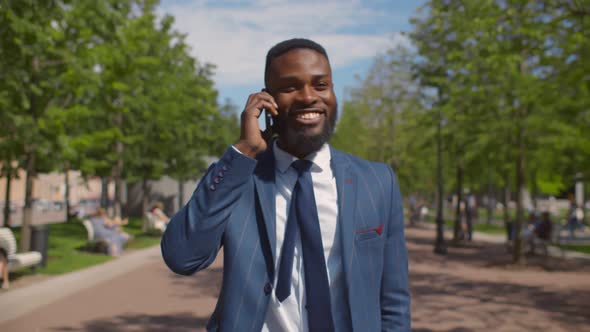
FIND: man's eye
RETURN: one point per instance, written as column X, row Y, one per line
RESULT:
column 322, row 85
column 288, row 89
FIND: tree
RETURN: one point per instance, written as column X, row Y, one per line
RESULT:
column 495, row 62
column 382, row 117
column 34, row 61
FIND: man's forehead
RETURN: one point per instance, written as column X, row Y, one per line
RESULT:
column 300, row 56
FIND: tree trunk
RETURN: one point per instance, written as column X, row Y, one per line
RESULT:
column 490, row 203
column 518, row 253
column 506, row 211
column 67, row 191
column 469, row 216
column 145, row 197
column 25, row 241
column 104, row 192
column 30, row 155
column 7, row 222
column 535, row 191
column 180, row 194
column 439, row 245
column 457, row 231
column 118, row 169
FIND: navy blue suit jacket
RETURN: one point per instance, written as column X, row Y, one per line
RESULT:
column 234, row 207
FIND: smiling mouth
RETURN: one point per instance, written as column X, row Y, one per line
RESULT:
column 308, row 115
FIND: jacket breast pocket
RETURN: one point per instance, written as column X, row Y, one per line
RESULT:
column 369, row 234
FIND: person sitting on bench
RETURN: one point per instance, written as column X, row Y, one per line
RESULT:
column 109, row 230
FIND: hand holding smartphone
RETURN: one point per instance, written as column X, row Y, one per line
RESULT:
column 253, row 140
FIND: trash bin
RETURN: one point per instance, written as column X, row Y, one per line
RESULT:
column 40, row 241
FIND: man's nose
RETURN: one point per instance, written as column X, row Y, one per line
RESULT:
column 308, row 95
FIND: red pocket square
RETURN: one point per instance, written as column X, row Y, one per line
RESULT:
column 379, row 230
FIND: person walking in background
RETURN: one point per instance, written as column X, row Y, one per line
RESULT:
column 312, row 238
column 528, row 232
column 470, row 214
column 544, row 228
column 572, row 217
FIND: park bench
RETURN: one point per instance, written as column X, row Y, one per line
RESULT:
column 17, row 261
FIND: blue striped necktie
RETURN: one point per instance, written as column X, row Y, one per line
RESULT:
column 303, row 212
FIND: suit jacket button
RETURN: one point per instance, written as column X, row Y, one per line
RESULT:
column 267, row 288
column 224, row 168
column 212, row 187
column 216, row 179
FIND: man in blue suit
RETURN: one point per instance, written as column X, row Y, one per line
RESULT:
column 312, row 237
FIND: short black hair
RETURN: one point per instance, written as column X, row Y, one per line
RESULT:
column 288, row 45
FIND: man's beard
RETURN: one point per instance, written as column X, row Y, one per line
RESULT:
column 302, row 143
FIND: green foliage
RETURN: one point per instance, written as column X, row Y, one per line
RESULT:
column 510, row 81
column 385, row 120
column 78, row 77
column 507, row 82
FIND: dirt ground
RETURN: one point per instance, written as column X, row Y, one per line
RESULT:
column 473, row 288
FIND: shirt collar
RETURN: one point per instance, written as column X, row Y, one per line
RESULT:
column 320, row 158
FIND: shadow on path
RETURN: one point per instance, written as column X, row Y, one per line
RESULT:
column 140, row 322
column 483, row 254
column 489, row 304
column 475, row 288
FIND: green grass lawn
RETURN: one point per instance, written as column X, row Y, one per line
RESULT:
column 67, row 247
column 432, row 220
column 497, row 214
column 583, row 248
column 490, row 229
column 478, row 227
column 140, row 239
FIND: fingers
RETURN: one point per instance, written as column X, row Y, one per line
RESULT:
column 259, row 101
column 274, row 109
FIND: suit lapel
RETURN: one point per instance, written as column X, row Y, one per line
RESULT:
column 346, row 184
column 264, row 179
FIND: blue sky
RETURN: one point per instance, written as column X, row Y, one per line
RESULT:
column 235, row 35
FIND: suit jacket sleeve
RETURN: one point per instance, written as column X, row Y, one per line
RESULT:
column 395, row 296
column 194, row 235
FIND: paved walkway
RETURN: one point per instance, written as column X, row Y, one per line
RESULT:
column 475, row 288
column 472, row 289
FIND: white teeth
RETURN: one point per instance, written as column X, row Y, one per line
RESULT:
column 308, row 116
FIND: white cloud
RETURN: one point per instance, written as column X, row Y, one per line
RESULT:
column 237, row 38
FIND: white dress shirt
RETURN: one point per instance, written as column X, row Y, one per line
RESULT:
column 290, row 315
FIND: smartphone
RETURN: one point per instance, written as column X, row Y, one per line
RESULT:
column 268, row 132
